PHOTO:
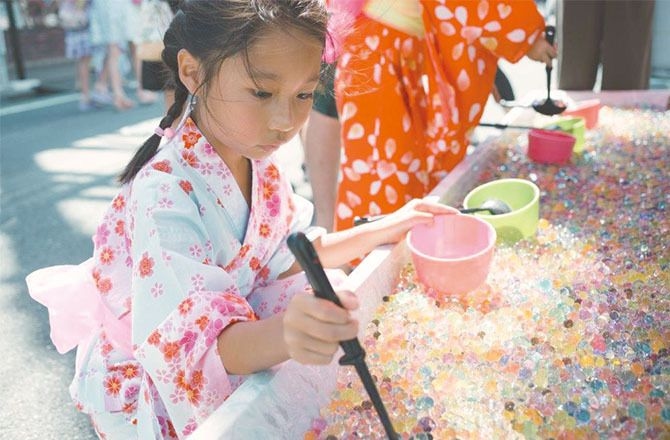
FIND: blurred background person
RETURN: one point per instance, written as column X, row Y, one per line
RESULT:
column 613, row 35
column 109, row 35
column 411, row 83
column 321, row 146
column 141, row 31
column 73, row 16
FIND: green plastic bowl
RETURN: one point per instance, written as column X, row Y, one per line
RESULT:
column 522, row 196
column 574, row 126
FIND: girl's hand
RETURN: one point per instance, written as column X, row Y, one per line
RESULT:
column 313, row 327
column 394, row 226
column 339, row 248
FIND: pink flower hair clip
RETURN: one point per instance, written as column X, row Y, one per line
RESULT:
column 340, row 20
column 168, row 133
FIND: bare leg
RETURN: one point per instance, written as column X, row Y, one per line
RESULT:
column 100, row 94
column 322, row 158
column 83, row 76
column 102, row 79
column 121, row 101
column 132, row 48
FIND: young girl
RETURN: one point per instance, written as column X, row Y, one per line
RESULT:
column 191, row 286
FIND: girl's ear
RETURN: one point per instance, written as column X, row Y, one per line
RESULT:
column 189, row 70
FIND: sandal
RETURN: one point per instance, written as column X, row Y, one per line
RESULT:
column 101, row 98
column 122, row 103
column 146, row 97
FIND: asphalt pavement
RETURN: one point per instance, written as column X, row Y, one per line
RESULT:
column 57, row 173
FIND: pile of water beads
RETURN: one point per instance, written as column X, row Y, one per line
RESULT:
column 569, row 337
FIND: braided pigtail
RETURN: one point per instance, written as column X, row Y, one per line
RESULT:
column 150, row 146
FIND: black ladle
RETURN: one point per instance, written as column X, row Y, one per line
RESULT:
column 519, row 127
column 549, row 107
column 354, row 354
column 493, row 206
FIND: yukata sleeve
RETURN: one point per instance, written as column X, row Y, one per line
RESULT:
column 508, row 28
column 180, row 304
column 299, row 218
column 270, row 294
column 503, row 28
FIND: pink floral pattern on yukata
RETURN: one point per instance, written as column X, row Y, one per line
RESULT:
column 180, row 249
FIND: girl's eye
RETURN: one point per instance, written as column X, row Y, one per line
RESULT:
column 306, row 96
column 261, row 94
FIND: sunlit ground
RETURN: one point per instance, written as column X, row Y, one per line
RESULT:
column 87, row 159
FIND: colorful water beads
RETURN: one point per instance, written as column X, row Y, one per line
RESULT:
column 569, row 338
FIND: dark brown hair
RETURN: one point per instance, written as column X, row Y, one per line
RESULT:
column 214, row 30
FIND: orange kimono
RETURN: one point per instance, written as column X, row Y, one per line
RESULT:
column 412, row 81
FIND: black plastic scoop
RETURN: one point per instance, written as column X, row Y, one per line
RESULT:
column 493, row 206
column 519, row 127
column 354, row 354
column 549, row 107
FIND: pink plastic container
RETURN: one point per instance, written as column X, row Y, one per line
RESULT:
column 550, row 146
column 588, row 109
column 452, row 255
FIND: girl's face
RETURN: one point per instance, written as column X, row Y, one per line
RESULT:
column 245, row 117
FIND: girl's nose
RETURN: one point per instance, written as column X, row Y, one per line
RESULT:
column 282, row 118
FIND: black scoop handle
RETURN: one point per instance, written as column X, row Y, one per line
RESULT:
column 550, row 34
column 308, row 259
column 354, row 354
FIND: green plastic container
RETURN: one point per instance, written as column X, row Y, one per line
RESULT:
column 574, row 126
column 522, row 196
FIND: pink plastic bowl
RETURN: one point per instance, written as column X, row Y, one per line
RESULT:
column 550, row 146
column 453, row 254
column 588, row 109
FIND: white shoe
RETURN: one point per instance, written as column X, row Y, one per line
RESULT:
column 100, row 99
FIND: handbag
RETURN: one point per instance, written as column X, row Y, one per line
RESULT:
column 149, row 51
column 73, row 14
column 156, row 76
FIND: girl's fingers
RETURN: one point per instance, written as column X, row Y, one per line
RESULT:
column 439, row 209
column 431, row 199
column 322, row 319
column 348, row 299
column 311, row 327
column 421, row 217
column 314, row 345
column 414, row 212
column 321, row 309
column 436, row 208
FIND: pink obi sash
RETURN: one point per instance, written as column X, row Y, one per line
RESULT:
column 76, row 309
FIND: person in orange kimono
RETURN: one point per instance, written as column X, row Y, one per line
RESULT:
column 412, row 80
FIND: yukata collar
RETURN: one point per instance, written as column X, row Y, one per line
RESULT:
column 199, row 155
